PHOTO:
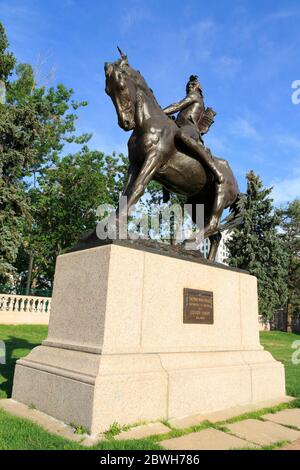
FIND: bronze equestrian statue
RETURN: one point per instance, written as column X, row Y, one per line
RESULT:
column 172, row 152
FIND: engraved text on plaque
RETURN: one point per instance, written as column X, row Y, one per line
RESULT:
column 198, row 306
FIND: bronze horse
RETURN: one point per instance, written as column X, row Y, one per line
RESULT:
column 154, row 153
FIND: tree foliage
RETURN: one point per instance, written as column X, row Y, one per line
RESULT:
column 290, row 226
column 35, row 123
column 65, row 203
column 257, row 247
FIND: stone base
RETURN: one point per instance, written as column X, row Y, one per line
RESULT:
column 118, row 349
column 143, row 387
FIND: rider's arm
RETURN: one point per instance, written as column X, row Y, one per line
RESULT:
column 175, row 107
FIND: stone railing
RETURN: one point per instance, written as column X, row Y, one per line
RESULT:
column 24, row 309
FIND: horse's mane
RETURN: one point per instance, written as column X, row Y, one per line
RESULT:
column 141, row 82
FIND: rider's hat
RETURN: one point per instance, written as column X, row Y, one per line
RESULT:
column 194, row 80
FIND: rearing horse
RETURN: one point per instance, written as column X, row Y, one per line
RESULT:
column 154, row 153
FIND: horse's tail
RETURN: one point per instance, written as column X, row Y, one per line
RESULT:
column 237, row 208
column 236, row 213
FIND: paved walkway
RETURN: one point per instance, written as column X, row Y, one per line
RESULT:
column 208, row 439
column 294, row 446
column 271, row 430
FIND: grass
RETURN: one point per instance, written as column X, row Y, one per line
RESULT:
column 17, row 433
column 80, row 430
column 19, row 340
column 279, row 344
column 115, row 429
column 277, row 445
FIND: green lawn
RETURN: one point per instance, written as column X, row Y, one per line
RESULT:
column 280, row 346
column 19, row 340
column 16, row 433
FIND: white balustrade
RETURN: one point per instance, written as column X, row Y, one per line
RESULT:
column 24, row 304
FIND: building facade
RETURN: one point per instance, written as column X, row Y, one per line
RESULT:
column 222, row 253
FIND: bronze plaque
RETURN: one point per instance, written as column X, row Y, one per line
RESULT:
column 198, row 306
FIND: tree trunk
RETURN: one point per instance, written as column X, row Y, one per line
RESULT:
column 289, row 326
column 28, row 284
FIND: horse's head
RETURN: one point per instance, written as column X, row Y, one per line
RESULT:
column 121, row 85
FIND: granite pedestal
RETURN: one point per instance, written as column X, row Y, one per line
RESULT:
column 118, row 350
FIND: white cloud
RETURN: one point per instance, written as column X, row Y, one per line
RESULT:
column 289, row 141
column 21, row 21
column 133, row 16
column 217, row 144
column 287, row 189
column 227, row 66
column 270, row 18
column 69, row 3
column 281, row 15
column 242, row 128
column 199, row 39
column 189, row 46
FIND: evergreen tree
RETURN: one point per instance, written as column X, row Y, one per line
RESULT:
column 18, row 129
column 290, row 225
column 257, row 247
column 7, row 59
column 35, row 123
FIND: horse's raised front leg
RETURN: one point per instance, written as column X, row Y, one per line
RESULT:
column 133, row 172
column 139, row 179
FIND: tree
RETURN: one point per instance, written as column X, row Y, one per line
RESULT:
column 7, row 60
column 257, row 247
column 35, row 123
column 65, row 202
column 290, row 226
column 18, row 130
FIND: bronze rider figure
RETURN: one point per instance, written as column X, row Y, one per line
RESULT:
column 193, row 121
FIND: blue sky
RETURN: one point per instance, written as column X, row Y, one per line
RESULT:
column 246, row 53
